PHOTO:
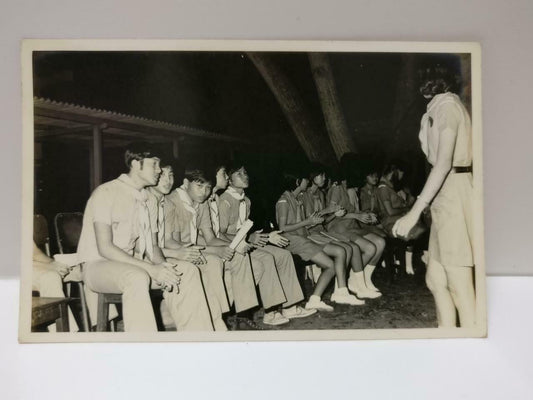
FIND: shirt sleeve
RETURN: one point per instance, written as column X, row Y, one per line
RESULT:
column 153, row 210
column 102, row 204
column 335, row 195
column 223, row 214
column 204, row 217
column 170, row 215
column 448, row 118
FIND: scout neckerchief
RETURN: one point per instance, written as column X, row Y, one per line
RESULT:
column 295, row 204
column 383, row 182
column 161, row 223
column 370, row 193
column 141, row 217
column 317, row 201
column 213, row 210
column 353, row 199
column 430, row 147
column 189, row 206
column 242, row 205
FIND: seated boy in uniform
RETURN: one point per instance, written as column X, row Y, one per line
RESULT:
column 273, row 266
column 119, row 256
column 185, row 219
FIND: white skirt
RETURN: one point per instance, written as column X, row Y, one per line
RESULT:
column 451, row 237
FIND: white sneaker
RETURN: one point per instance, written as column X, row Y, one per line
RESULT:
column 363, row 293
column 297, row 312
column 274, row 318
column 347, row 298
column 409, row 270
column 315, row 303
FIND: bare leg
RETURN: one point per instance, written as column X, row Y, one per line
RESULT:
column 368, row 249
column 437, row 283
column 461, row 286
column 328, row 272
column 339, row 258
column 379, row 242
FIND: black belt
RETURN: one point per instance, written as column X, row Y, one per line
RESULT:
column 461, row 170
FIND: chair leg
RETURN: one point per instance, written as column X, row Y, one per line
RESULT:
column 102, row 315
column 84, row 311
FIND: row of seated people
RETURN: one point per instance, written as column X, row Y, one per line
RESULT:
column 138, row 233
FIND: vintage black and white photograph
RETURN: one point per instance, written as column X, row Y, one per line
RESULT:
column 241, row 190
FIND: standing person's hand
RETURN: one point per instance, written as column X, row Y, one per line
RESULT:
column 403, row 226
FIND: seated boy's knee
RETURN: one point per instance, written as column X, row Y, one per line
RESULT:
column 214, row 262
column 137, row 278
column 188, row 271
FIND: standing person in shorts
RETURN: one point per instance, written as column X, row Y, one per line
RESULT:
column 446, row 140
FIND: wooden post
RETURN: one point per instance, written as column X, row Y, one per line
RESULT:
column 336, row 125
column 314, row 142
column 96, row 157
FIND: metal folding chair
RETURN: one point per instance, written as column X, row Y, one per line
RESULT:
column 68, row 230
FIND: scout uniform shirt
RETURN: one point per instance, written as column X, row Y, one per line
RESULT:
column 123, row 207
column 451, row 237
column 156, row 210
column 236, row 208
column 183, row 219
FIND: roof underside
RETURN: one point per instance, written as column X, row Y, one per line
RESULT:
column 55, row 121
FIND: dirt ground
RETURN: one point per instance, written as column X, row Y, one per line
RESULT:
column 406, row 303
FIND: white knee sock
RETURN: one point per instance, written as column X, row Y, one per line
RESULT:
column 409, row 263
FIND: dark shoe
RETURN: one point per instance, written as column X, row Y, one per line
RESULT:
column 242, row 324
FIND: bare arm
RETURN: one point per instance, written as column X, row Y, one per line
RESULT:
column 158, row 257
column 391, row 211
column 106, row 248
column 216, row 246
column 283, row 210
column 164, row 275
column 438, row 174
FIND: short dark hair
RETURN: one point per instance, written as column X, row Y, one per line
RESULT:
column 197, row 175
column 211, row 167
column 233, row 167
column 437, row 79
column 288, row 181
column 316, row 169
column 138, row 151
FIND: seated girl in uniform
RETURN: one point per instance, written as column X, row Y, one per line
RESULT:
column 314, row 200
column 392, row 206
column 356, row 225
column 330, row 257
